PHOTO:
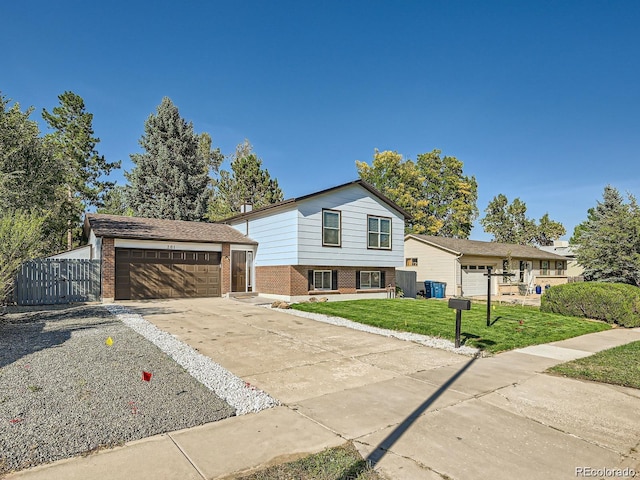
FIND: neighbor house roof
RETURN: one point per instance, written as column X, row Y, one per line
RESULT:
column 375, row 192
column 116, row 226
column 460, row 246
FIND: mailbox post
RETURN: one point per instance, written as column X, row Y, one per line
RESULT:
column 459, row 304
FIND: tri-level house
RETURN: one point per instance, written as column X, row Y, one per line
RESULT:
column 342, row 242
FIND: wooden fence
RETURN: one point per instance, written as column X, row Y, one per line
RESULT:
column 56, row 281
column 406, row 280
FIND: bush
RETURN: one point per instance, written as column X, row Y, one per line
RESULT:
column 611, row 302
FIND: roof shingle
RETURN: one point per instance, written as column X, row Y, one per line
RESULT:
column 487, row 249
column 116, row 226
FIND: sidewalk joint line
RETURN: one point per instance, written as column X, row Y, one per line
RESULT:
column 200, row 472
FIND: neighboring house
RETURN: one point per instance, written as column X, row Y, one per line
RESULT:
column 80, row 253
column 342, row 242
column 562, row 247
column 463, row 264
column 153, row 258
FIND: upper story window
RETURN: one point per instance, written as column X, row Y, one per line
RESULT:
column 331, row 234
column 379, row 232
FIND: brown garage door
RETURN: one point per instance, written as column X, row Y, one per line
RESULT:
column 144, row 274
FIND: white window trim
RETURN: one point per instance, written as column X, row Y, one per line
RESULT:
column 323, row 272
column 370, row 287
column 339, row 229
column 369, row 232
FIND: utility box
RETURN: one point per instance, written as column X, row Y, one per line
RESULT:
column 459, row 304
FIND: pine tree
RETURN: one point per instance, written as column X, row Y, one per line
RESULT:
column 246, row 183
column 171, row 178
column 607, row 243
column 74, row 147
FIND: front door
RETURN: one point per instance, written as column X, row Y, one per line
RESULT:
column 238, row 271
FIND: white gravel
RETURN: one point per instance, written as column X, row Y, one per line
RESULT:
column 244, row 397
column 427, row 341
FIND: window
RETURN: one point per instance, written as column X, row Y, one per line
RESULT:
column 544, row 267
column 379, row 232
column 411, row 262
column 505, row 271
column 560, row 267
column 322, row 279
column 370, row 280
column 331, row 228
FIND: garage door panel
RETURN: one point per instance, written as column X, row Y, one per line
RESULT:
column 144, row 274
column 474, row 283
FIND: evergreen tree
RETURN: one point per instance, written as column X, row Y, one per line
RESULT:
column 434, row 190
column 115, row 202
column 171, row 178
column 74, row 147
column 607, row 243
column 246, row 183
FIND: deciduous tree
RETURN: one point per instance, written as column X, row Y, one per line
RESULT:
column 508, row 223
column 21, row 239
column 433, row 189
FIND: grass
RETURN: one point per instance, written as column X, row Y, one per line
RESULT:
column 339, row 463
column 618, row 366
column 512, row 326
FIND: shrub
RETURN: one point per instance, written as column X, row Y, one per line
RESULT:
column 611, row 302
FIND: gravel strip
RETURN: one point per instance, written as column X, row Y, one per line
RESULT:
column 427, row 341
column 235, row 391
column 64, row 391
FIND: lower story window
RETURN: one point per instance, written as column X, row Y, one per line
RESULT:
column 322, row 279
column 370, row 279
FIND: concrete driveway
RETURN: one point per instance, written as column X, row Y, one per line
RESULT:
column 415, row 412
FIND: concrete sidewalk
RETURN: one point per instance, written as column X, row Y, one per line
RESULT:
column 418, row 413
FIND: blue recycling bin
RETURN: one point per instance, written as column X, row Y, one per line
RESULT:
column 538, row 289
column 428, row 289
column 439, row 289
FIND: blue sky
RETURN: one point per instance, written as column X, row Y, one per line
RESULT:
column 540, row 99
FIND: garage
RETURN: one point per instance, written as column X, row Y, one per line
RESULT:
column 148, row 273
column 474, row 281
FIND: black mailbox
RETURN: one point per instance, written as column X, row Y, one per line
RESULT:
column 460, row 304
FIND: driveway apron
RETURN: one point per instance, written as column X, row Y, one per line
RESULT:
column 414, row 412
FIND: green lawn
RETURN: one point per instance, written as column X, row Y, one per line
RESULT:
column 618, row 365
column 511, row 326
column 338, row 463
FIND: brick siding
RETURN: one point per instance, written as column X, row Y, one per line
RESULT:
column 225, row 266
column 293, row 279
column 108, row 269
